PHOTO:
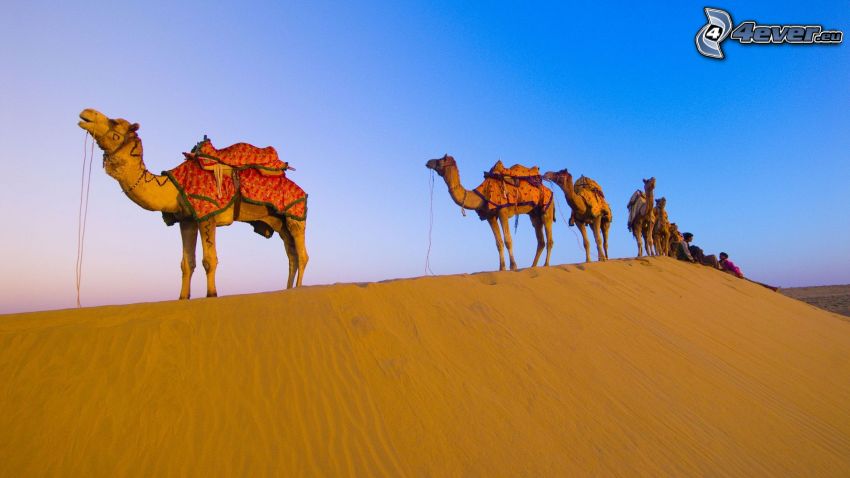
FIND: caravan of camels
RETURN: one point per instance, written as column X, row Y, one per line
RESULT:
column 214, row 188
column 507, row 192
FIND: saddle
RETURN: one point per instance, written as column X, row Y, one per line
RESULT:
column 237, row 156
column 211, row 180
column 588, row 184
column 515, row 174
column 637, row 205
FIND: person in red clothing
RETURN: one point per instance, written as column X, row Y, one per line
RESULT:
column 728, row 266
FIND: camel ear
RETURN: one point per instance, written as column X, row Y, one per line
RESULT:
column 134, row 127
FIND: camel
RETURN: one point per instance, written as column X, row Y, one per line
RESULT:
column 589, row 207
column 661, row 230
column 123, row 160
column 674, row 238
column 642, row 216
column 541, row 217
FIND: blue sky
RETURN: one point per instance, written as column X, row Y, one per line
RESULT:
column 751, row 152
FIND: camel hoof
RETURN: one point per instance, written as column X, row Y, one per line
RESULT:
column 183, row 298
column 212, row 294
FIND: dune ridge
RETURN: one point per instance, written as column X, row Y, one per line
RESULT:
column 647, row 367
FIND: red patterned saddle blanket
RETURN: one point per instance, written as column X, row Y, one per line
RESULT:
column 211, row 180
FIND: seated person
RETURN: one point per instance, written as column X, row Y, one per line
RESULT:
column 697, row 254
column 728, row 266
column 682, row 251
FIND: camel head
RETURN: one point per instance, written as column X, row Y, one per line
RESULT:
column 110, row 135
column 440, row 165
column 661, row 202
column 559, row 177
column 649, row 184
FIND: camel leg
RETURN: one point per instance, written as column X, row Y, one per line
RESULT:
column 605, row 226
column 583, row 231
column 548, row 219
column 537, row 223
column 298, row 230
column 636, row 231
column 291, row 254
column 189, row 233
column 652, row 245
column 647, row 240
column 498, row 235
column 505, row 220
column 597, row 236
column 210, row 257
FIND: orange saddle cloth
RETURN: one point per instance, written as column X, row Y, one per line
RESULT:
column 515, row 174
column 586, row 183
column 515, row 186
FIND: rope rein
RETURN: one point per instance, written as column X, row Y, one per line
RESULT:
column 82, row 217
column 462, row 202
column 430, row 227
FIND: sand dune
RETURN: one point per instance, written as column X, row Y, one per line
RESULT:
column 640, row 367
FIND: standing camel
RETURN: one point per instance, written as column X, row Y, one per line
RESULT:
column 661, row 230
column 541, row 214
column 122, row 159
column 674, row 238
column 589, row 207
column 642, row 215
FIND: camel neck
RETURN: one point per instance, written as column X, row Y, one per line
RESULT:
column 570, row 193
column 460, row 195
column 148, row 190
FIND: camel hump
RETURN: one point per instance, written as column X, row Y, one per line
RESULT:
column 636, row 207
column 240, row 155
column 638, row 195
column 516, row 171
column 515, row 174
column 586, row 183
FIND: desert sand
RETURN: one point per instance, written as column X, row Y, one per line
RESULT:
column 834, row 298
column 647, row 367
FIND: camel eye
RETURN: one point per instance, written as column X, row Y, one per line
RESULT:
column 116, row 136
